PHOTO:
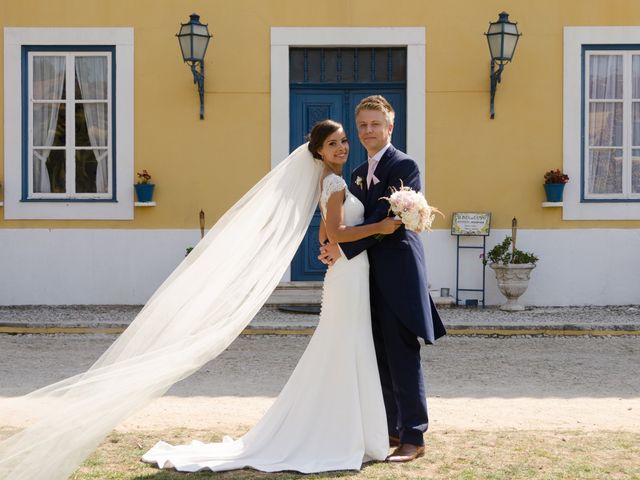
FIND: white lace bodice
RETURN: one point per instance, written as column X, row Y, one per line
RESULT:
column 353, row 208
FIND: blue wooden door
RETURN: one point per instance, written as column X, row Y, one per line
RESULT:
column 311, row 106
column 329, row 83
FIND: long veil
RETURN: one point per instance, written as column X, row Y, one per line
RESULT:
column 192, row 317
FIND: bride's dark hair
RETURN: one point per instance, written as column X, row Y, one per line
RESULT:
column 319, row 133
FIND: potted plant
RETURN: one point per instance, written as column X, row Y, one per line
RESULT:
column 513, row 269
column 554, row 182
column 144, row 189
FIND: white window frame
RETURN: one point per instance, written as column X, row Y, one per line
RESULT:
column 70, row 144
column 121, row 207
column 574, row 207
column 627, row 118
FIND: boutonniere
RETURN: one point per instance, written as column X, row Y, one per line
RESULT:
column 359, row 182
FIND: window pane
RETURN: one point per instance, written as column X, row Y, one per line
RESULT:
column 364, row 65
column 91, row 78
column 92, row 124
column 382, row 64
column 636, row 76
column 51, row 178
column 605, row 72
column 399, row 56
column 348, row 64
column 313, row 64
column 87, row 171
column 296, row 65
column 636, row 124
column 605, row 124
column 330, row 65
column 48, row 77
column 605, row 171
column 635, row 171
column 48, row 124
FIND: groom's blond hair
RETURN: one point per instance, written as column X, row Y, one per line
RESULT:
column 379, row 103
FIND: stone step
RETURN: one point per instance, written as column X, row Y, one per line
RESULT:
column 296, row 293
column 310, row 293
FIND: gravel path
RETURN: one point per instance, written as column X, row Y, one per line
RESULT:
column 609, row 317
column 584, row 383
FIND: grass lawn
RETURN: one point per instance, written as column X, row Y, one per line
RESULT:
column 459, row 455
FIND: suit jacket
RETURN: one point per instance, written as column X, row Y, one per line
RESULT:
column 397, row 263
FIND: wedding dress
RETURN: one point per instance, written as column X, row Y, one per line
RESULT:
column 330, row 415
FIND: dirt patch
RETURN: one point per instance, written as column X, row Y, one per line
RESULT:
column 474, row 383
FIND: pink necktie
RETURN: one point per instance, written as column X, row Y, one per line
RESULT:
column 372, row 167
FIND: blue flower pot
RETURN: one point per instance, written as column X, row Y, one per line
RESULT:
column 554, row 191
column 144, row 191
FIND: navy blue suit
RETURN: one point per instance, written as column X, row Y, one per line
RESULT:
column 401, row 308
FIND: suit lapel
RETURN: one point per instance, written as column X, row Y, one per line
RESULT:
column 359, row 190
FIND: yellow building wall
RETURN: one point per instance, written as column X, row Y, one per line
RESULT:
column 473, row 163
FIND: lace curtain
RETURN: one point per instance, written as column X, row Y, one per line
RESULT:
column 91, row 73
column 48, row 85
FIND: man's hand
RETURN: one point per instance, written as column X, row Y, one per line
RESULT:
column 329, row 253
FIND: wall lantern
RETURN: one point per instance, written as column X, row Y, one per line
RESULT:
column 194, row 40
column 502, row 37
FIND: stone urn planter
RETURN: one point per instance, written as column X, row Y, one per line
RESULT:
column 513, row 280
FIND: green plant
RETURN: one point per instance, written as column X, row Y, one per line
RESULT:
column 502, row 255
column 555, row 176
column 143, row 177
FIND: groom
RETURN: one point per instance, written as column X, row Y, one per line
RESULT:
column 402, row 311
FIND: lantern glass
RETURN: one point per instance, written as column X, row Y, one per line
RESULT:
column 495, row 45
column 509, row 46
column 199, row 47
column 185, row 47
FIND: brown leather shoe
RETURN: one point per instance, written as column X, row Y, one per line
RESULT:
column 406, row 452
column 394, row 441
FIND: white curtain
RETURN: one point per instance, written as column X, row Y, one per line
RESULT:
column 194, row 315
column 635, row 153
column 605, row 124
column 91, row 73
column 48, row 84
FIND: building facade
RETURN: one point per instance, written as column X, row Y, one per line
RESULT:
column 93, row 94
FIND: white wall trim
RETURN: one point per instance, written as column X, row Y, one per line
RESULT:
column 282, row 38
column 574, row 38
column 122, row 39
column 414, row 38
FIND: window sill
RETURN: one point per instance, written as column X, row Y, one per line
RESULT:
column 145, row 204
column 551, row 204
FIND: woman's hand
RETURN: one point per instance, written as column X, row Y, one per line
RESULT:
column 389, row 225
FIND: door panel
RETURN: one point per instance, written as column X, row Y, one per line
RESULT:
column 308, row 108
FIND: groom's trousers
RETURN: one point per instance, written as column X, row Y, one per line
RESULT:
column 398, row 355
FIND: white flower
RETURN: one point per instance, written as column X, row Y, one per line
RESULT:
column 412, row 208
column 359, row 182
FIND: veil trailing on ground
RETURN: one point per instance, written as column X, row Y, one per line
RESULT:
column 194, row 315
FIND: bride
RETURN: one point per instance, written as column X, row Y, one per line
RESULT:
column 330, row 414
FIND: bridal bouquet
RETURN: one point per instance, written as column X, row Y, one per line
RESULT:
column 412, row 208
